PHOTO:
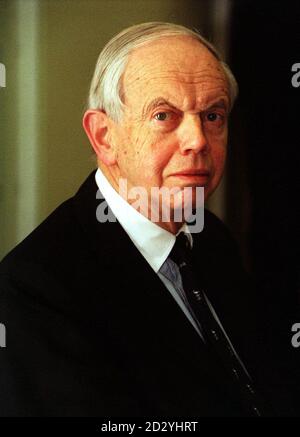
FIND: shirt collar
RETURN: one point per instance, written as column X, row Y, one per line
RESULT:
column 153, row 242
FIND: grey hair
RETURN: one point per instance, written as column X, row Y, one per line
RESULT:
column 106, row 86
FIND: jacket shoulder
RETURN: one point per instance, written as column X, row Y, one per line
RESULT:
column 58, row 232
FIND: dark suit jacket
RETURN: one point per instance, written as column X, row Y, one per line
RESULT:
column 92, row 331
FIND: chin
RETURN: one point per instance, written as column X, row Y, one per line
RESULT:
column 191, row 200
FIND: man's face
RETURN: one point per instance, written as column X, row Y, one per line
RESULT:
column 173, row 131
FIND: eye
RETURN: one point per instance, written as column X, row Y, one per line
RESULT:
column 212, row 116
column 162, row 116
column 215, row 120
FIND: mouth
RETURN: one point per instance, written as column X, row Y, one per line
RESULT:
column 196, row 174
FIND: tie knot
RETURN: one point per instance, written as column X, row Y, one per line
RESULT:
column 181, row 252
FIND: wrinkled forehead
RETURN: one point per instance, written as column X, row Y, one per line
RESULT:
column 174, row 67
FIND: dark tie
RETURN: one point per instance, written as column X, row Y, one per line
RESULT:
column 213, row 334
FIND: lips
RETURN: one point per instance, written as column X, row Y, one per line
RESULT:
column 192, row 172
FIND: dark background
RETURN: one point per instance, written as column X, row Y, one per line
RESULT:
column 263, row 176
column 263, row 170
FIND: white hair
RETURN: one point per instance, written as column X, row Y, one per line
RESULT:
column 106, row 86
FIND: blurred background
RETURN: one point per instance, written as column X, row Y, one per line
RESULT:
column 49, row 49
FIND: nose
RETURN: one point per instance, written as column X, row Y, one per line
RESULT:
column 192, row 135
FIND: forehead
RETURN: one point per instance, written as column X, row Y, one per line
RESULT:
column 179, row 69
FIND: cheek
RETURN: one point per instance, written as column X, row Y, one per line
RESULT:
column 162, row 160
column 219, row 159
column 152, row 152
column 218, row 163
column 130, row 146
column 219, row 153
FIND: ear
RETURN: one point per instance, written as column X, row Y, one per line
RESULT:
column 96, row 125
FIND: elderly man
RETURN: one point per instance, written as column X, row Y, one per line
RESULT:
column 109, row 317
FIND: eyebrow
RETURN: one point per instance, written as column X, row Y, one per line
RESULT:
column 160, row 101
column 218, row 104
